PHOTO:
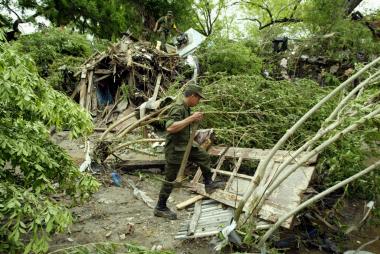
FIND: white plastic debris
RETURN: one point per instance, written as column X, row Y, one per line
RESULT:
column 87, row 161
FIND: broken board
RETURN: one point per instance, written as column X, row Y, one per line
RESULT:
column 285, row 198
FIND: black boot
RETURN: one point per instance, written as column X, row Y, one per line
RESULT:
column 211, row 186
column 161, row 210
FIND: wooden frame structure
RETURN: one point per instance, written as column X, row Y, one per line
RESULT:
column 286, row 197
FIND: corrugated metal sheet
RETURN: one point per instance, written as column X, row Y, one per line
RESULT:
column 212, row 218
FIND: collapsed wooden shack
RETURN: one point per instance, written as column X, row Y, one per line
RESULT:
column 130, row 70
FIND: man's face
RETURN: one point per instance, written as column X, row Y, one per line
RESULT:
column 194, row 100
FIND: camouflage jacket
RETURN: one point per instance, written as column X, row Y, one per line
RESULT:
column 178, row 141
column 166, row 24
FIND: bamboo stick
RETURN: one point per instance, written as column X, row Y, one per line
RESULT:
column 289, row 132
column 115, row 124
column 185, row 158
column 257, row 200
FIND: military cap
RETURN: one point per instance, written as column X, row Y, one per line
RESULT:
column 193, row 88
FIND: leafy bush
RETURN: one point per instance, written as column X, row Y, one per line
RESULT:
column 221, row 55
column 260, row 110
column 58, row 53
column 32, row 166
column 250, row 111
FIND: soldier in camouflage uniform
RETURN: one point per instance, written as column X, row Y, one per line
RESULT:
column 165, row 25
column 179, row 127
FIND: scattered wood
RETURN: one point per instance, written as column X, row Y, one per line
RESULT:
column 134, row 64
column 284, row 199
column 188, row 202
column 195, row 218
column 141, row 164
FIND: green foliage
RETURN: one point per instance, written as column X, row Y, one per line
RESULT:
column 106, row 19
column 350, row 41
column 32, row 166
column 261, row 110
column 58, row 53
column 233, row 58
column 354, row 152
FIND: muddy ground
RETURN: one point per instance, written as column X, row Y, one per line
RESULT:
column 114, row 214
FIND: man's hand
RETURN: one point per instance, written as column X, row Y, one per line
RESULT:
column 197, row 116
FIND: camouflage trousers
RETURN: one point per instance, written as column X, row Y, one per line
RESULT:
column 197, row 155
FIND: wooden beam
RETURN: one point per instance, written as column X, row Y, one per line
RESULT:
column 228, row 173
column 234, row 173
column 102, row 77
column 102, row 71
column 195, row 218
column 89, row 90
column 188, row 202
column 140, row 164
column 255, row 154
column 83, row 90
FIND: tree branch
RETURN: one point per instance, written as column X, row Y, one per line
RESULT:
column 273, row 20
column 6, row 5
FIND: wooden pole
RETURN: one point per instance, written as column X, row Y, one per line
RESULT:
column 185, row 158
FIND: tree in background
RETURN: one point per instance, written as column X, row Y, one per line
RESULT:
column 105, row 19
column 59, row 56
column 206, row 14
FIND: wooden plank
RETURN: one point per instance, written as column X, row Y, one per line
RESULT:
column 194, row 221
column 220, row 162
column 234, row 173
column 156, row 88
column 102, row 71
column 255, row 154
column 89, row 90
column 222, row 196
column 197, row 176
column 76, row 91
column 181, row 171
column 83, row 89
column 189, row 202
column 140, row 164
column 94, row 100
column 228, row 173
column 102, row 77
column 286, row 197
column 196, row 235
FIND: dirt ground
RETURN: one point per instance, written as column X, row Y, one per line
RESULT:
column 113, row 214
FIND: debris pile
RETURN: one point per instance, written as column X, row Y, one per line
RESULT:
column 129, row 70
